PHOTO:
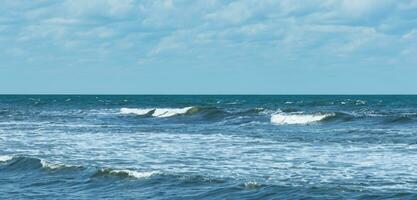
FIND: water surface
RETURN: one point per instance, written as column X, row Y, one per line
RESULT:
column 208, row 147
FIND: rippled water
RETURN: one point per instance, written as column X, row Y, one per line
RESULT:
column 208, row 147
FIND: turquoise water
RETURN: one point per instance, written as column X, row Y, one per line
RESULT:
column 208, row 147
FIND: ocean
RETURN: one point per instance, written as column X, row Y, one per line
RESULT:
column 208, row 147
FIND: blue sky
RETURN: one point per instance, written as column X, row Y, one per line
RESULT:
column 210, row 46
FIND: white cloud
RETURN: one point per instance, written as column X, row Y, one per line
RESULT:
column 194, row 28
column 411, row 35
column 173, row 42
column 98, row 32
column 62, row 21
column 100, row 8
column 235, row 12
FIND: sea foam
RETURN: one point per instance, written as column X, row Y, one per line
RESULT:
column 156, row 112
column 50, row 165
column 133, row 173
column 136, row 111
column 4, row 158
column 280, row 118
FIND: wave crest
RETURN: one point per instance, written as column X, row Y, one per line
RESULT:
column 5, row 158
column 156, row 112
column 52, row 166
column 31, row 163
column 22, row 162
column 135, row 111
column 126, row 173
column 281, row 119
column 252, row 185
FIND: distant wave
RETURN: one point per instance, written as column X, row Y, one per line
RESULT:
column 156, row 112
column 281, row 118
column 208, row 113
column 228, row 115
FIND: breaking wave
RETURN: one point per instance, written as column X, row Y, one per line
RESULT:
column 30, row 163
column 5, row 158
column 157, row 112
column 202, row 113
column 125, row 173
column 281, row 118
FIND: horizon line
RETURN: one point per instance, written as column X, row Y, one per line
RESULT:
column 203, row 94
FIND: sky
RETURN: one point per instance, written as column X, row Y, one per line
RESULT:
column 208, row 47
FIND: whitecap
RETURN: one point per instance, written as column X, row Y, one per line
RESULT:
column 252, row 184
column 134, row 174
column 156, row 112
column 136, row 111
column 281, row 119
column 49, row 165
column 5, row 158
column 360, row 102
column 168, row 112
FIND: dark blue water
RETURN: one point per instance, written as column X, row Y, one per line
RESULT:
column 208, row 147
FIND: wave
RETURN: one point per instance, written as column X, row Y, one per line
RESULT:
column 402, row 119
column 196, row 113
column 281, row 118
column 23, row 164
column 5, row 158
column 169, row 112
column 49, row 165
column 32, row 165
column 3, row 111
column 136, row 111
column 252, row 185
column 125, row 173
column 27, row 163
column 156, row 112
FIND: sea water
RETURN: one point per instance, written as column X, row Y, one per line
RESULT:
column 208, row 147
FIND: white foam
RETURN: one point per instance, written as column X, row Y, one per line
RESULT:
column 135, row 174
column 168, row 112
column 252, row 184
column 360, row 102
column 135, row 111
column 50, row 165
column 4, row 158
column 157, row 112
column 281, row 119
